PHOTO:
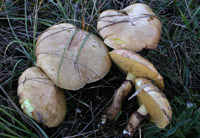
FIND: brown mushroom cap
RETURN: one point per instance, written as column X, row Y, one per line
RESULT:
column 154, row 101
column 133, row 28
column 131, row 62
column 40, row 99
column 76, row 56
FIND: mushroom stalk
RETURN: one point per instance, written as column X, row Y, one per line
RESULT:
column 153, row 102
column 135, row 66
column 120, row 95
column 135, row 119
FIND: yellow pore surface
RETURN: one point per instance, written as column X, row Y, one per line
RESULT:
column 130, row 62
column 155, row 102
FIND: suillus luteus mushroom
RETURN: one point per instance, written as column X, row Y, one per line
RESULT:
column 40, row 99
column 133, row 28
column 152, row 102
column 134, row 66
column 72, row 57
column 67, row 57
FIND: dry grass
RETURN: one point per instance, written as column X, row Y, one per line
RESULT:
column 176, row 58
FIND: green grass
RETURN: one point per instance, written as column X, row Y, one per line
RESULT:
column 177, row 58
column 185, row 123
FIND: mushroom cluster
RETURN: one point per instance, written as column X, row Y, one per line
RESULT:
column 68, row 58
column 128, row 31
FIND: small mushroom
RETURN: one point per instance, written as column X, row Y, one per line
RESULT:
column 133, row 28
column 40, row 99
column 153, row 102
column 72, row 57
column 135, row 66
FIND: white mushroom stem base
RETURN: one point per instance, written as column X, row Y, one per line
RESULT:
column 135, row 119
column 120, row 95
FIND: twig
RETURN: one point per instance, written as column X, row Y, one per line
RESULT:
column 137, row 92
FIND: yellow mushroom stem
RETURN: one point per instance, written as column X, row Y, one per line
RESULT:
column 135, row 119
column 120, row 95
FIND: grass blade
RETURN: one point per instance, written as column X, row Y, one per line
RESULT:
column 7, row 135
column 25, row 18
column 63, row 54
column 9, row 130
column 11, row 125
column 18, row 122
column 82, row 45
column 62, row 9
column 185, row 20
column 26, row 53
column 44, row 134
column 14, row 72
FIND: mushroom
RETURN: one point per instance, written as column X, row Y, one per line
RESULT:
column 153, row 102
column 133, row 28
column 135, row 66
column 72, row 57
column 40, row 99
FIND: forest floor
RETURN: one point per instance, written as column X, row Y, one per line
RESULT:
column 177, row 58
